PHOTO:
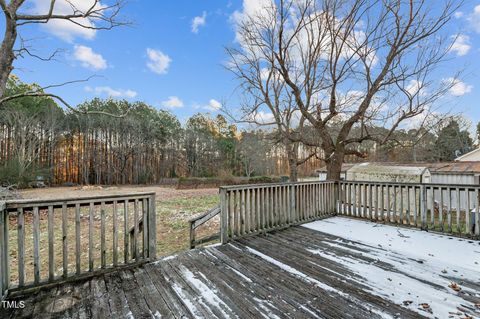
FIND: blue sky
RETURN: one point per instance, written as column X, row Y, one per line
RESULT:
column 172, row 57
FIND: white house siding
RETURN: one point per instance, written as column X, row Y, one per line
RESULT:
column 465, row 179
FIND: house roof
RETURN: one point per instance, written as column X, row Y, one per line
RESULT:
column 468, row 154
column 439, row 168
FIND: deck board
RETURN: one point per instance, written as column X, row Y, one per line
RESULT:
column 278, row 275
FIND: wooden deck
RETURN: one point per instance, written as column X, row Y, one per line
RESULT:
column 277, row 275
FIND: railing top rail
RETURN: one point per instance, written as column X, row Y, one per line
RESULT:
column 16, row 203
column 264, row 185
column 428, row 185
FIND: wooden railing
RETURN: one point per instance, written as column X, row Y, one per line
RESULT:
column 445, row 208
column 48, row 241
column 252, row 209
column 196, row 222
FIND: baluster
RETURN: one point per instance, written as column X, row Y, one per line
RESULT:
column 90, row 236
column 126, row 233
column 21, row 247
column 65, row 239
column 459, row 210
column 115, row 234
column 51, row 251
column 77, row 239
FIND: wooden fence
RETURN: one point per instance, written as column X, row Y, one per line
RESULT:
column 48, row 241
column 253, row 209
column 440, row 207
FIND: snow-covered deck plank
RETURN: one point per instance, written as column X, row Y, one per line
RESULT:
column 334, row 268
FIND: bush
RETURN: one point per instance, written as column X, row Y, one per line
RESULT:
column 264, row 179
column 215, row 182
column 13, row 173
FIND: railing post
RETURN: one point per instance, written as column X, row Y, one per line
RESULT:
column 423, row 206
column 152, row 229
column 4, row 280
column 192, row 234
column 223, row 216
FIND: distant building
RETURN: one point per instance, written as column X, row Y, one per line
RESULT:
column 376, row 172
column 470, row 156
column 466, row 173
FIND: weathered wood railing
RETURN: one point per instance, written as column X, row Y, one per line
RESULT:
column 48, row 241
column 252, row 209
column 196, row 222
column 445, row 208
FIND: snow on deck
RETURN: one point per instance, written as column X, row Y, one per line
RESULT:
column 426, row 272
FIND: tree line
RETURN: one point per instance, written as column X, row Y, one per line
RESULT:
column 39, row 139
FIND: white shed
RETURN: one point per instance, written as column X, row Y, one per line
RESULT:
column 376, row 172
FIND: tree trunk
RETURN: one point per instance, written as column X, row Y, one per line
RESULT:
column 292, row 155
column 334, row 165
column 6, row 52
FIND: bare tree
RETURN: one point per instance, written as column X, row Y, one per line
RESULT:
column 266, row 89
column 87, row 14
column 346, row 64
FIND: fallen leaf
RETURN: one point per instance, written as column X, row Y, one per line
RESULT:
column 455, row 286
column 407, row 302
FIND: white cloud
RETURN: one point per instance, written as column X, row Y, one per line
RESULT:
column 262, row 117
column 213, row 105
column 416, row 87
column 474, row 19
column 461, row 46
column 158, row 61
column 458, row 14
column 458, row 88
column 65, row 29
column 251, row 9
column 117, row 93
column 198, row 22
column 172, row 102
column 88, row 58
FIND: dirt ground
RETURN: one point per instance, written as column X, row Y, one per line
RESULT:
column 163, row 192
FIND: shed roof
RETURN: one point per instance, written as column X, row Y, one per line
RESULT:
column 439, row 168
column 380, row 169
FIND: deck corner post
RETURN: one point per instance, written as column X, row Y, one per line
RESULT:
column 152, row 229
column 192, row 234
column 4, row 281
column 223, row 216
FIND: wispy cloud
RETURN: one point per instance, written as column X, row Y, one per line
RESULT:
column 108, row 91
column 88, row 58
column 198, row 22
column 158, row 62
column 173, row 102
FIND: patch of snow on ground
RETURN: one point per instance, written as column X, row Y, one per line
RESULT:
column 264, row 305
column 210, row 295
column 240, row 274
column 296, row 272
column 313, row 281
column 416, row 259
column 414, row 243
